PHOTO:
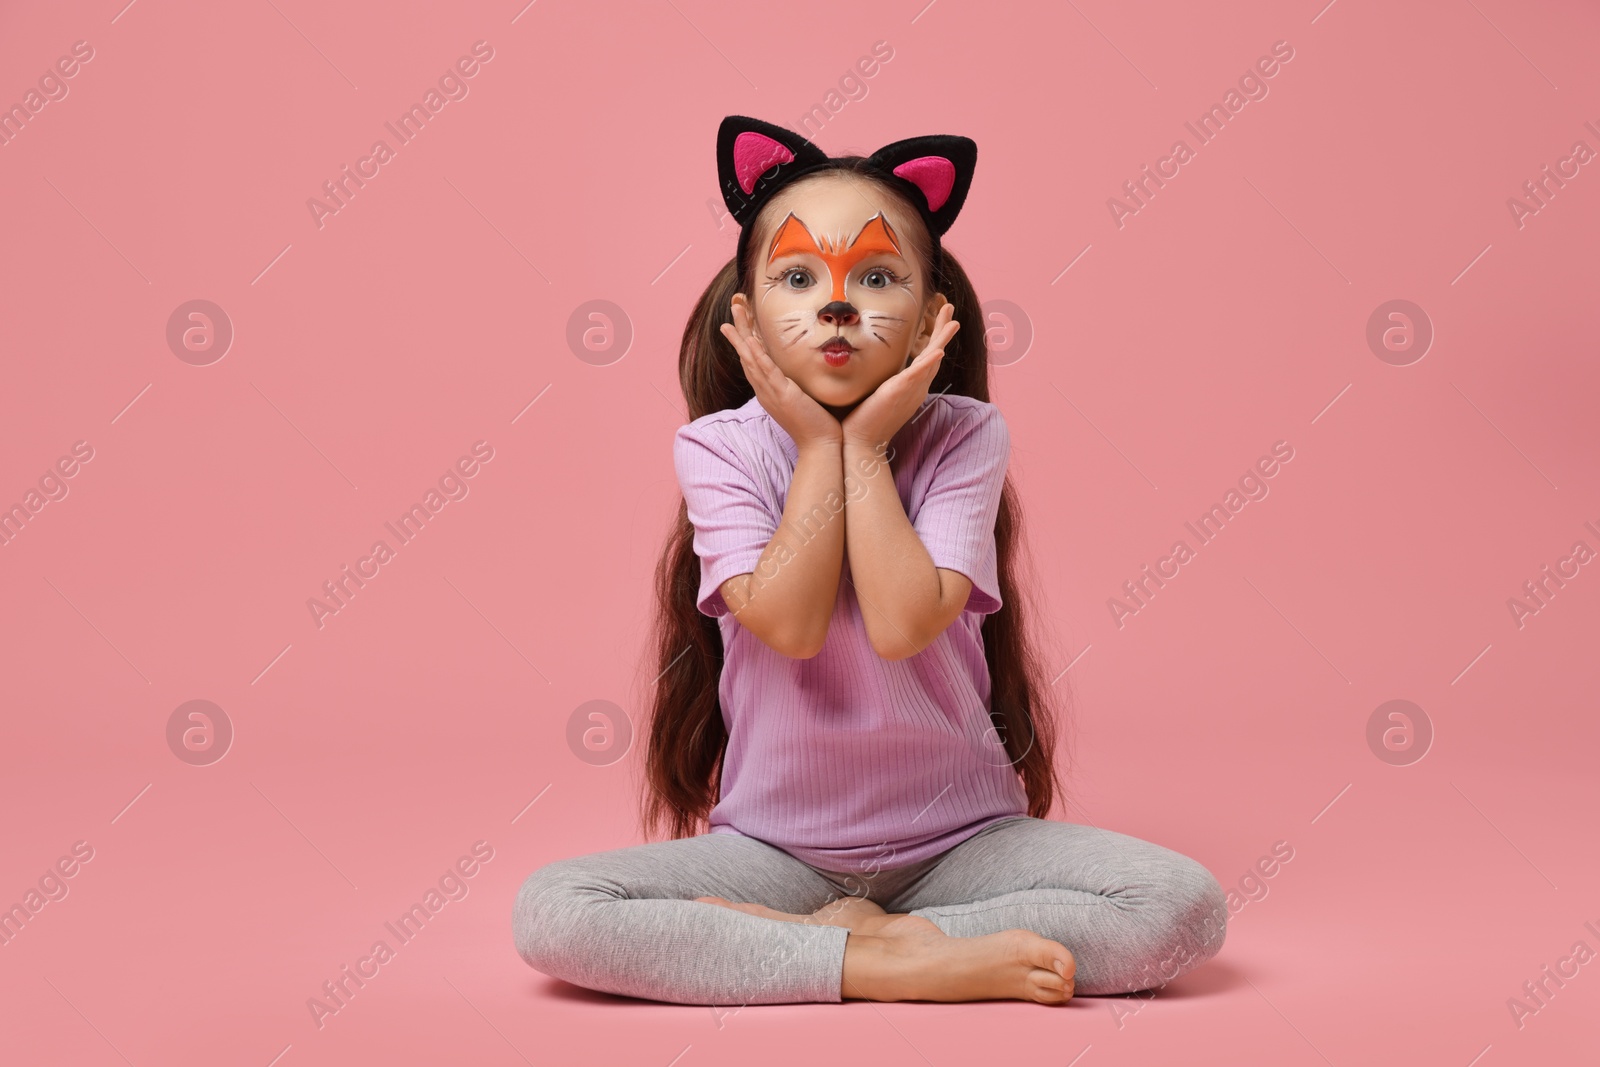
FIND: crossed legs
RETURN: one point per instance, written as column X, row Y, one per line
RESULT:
column 726, row 919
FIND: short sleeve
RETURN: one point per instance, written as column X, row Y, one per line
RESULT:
column 733, row 521
column 957, row 515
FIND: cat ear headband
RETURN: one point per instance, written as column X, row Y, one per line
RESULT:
column 755, row 159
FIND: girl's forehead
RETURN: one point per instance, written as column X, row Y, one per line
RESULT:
column 838, row 208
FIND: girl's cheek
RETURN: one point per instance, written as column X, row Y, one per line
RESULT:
column 898, row 301
column 779, row 302
column 781, row 316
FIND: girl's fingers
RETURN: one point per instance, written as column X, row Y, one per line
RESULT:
column 951, row 329
column 758, row 369
column 748, row 362
column 742, row 341
column 759, row 349
column 942, row 333
column 741, row 324
column 731, row 332
column 752, row 340
column 931, row 356
column 749, row 330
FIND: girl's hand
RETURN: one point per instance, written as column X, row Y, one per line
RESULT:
column 807, row 421
column 880, row 416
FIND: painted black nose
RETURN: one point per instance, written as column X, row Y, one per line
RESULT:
column 839, row 313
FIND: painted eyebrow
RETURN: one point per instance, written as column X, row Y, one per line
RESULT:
column 868, row 258
column 877, row 232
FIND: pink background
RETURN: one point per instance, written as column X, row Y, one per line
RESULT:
column 1227, row 314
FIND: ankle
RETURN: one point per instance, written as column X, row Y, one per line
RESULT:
column 877, row 925
column 848, row 912
column 866, row 968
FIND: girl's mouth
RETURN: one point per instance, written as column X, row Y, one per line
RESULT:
column 836, row 350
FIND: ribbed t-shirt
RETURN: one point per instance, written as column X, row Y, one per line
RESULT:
column 846, row 760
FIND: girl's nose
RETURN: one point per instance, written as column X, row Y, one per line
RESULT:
column 839, row 313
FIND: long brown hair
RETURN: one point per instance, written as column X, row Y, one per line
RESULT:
column 687, row 736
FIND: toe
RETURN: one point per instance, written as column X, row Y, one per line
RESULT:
column 1054, row 957
column 1048, row 987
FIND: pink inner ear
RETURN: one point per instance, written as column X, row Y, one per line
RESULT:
column 934, row 175
column 753, row 155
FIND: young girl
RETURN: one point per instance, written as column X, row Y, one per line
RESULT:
column 848, row 701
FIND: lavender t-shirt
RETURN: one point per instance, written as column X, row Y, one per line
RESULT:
column 849, row 761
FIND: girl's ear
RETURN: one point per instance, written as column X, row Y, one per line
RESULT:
column 750, row 313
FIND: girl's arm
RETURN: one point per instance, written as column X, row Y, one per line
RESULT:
column 788, row 601
column 906, row 601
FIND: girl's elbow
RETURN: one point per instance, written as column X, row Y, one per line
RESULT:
column 809, row 645
column 797, row 644
column 896, row 646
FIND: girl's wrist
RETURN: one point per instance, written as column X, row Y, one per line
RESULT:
column 863, row 446
column 865, row 458
column 826, row 443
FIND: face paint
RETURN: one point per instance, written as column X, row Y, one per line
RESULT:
column 876, row 238
column 838, row 298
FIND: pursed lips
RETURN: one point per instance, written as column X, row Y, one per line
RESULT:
column 836, row 350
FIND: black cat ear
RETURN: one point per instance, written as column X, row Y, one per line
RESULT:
column 940, row 166
column 754, row 158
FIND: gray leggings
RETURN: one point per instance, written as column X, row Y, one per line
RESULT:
column 1133, row 914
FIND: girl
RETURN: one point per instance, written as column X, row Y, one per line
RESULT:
column 848, row 702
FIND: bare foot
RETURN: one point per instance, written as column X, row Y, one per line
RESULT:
column 850, row 912
column 907, row 957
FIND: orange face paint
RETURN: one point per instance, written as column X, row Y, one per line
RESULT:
column 877, row 236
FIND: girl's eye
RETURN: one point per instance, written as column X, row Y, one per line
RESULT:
column 791, row 272
column 889, row 278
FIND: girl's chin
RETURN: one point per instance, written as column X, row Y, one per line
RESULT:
column 831, row 395
column 848, row 384
column 833, row 403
